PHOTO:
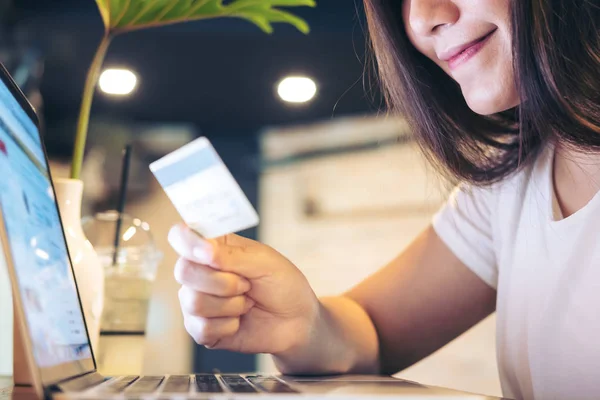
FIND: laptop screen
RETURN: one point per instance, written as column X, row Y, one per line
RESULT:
column 36, row 242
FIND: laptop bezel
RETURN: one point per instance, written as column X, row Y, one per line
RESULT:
column 47, row 375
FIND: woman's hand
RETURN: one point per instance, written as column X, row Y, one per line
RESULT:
column 241, row 295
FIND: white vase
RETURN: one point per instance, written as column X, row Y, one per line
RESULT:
column 88, row 268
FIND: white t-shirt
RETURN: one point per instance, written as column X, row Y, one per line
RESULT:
column 546, row 270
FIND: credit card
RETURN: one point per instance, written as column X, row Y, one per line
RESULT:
column 203, row 191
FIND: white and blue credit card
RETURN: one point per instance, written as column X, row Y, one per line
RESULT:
column 203, row 190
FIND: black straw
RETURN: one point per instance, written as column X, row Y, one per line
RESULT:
column 122, row 198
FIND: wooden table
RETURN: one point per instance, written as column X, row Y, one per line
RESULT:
column 5, row 387
column 7, row 393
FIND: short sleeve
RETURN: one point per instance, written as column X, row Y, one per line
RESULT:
column 464, row 224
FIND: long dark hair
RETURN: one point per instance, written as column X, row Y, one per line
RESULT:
column 556, row 53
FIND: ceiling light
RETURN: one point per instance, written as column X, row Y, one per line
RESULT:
column 120, row 82
column 297, row 89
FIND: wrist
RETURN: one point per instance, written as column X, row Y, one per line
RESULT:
column 303, row 347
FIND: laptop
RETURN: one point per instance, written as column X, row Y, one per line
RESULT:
column 53, row 356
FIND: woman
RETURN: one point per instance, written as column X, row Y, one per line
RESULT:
column 503, row 95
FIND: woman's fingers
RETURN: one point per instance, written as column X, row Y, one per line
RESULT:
column 209, row 331
column 204, row 305
column 189, row 245
column 208, row 280
column 230, row 253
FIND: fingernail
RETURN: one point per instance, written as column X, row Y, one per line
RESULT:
column 174, row 234
column 202, row 254
column 244, row 286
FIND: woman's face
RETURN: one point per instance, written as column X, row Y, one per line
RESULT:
column 471, row 41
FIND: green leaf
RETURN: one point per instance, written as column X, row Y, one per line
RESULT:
column 273, row 15
column 136, row 11
column 127, row 15
column 104, row 9
column 141, row 12
column 115, row 7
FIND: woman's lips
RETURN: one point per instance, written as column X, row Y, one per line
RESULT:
column 461, row 54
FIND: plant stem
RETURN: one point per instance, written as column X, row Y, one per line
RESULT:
column 86, row 106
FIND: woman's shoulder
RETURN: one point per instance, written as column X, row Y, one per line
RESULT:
column 512, row 190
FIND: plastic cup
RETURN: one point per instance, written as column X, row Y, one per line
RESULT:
column 129, row 274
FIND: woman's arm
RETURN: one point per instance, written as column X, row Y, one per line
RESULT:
column 418, row 303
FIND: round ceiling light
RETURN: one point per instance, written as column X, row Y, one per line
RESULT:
column 297, row 89
column 119, row 82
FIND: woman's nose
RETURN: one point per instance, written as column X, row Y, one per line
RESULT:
column 425, row 17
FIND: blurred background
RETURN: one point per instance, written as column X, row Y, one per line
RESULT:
column 326, row 175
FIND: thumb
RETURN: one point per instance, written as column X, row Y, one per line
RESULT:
column 190, row 245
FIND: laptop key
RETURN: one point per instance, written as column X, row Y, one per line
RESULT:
column 237, row 384
column 120, row 385
column 177, row 384
column 208, row 384
column 270, row 384
column 146, row 384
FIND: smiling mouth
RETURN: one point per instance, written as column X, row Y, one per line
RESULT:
column 467, row 53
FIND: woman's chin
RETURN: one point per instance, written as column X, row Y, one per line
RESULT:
column 483, row 109
column 487, row 104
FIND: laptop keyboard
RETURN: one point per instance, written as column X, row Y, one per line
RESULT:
column 237, row 384
column 177, row 384
column 120, row 385
column 134, row 386
column 146, row 384
column 208, row 384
